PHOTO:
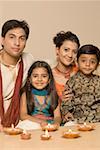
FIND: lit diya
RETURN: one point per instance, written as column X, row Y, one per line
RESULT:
column 12, row 131
column 46, row 135
column 85, row 127
column 71, row 134
column 50, row 127
column 25, row 135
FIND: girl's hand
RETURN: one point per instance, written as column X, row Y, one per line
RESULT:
column 43, row 117
column 43, row 124
column 56, row 125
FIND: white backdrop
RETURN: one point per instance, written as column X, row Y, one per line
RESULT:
column 46, row 18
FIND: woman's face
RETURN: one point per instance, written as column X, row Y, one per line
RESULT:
column 67, row 52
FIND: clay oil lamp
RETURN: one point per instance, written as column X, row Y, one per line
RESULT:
column 71, row 134
column 85, row 127
column 12, row 130
column 50, row 127
column 46, row 135
column 25, row 135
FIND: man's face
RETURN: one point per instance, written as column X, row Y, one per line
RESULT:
column 14, row 42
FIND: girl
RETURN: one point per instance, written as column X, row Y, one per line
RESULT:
column 85, row 105
column 39, row 100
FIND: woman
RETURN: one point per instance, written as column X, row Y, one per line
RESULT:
column 67, row 44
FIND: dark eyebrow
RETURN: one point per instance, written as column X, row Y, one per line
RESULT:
column 12, row 34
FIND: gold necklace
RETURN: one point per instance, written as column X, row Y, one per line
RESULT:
column 65, row 74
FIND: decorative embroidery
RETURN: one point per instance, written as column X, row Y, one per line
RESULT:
column 39, row 106
column 85, row 105
column 39, row 92
column 65, row 74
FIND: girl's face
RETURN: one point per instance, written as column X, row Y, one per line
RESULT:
column 87, row 63
column 67, row 52
column 39, row 78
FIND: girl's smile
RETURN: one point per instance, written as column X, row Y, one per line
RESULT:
column 39, row 78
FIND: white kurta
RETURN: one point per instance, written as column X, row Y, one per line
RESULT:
column 9, row 74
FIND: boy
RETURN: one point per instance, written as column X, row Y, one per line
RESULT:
column 85, row 104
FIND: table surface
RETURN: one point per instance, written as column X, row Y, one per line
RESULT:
column 89, row 140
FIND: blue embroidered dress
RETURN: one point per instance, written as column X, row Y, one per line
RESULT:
column 42, row 109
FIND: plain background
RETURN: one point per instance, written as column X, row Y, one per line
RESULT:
column 47, row 18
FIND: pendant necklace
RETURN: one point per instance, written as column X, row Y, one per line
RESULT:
column 65, row 74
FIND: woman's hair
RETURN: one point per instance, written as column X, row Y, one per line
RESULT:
column 51, row 90
column 11, row 24
column 62, row 36
column 89, row 49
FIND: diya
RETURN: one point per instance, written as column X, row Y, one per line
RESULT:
column 46, row 135
column 12, row 131
column 71, row 134
column 50, row 127
column 85, row 127
column 25, row 135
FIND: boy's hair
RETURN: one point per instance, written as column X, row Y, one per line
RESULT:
column 89, row 49
column 50, row 87
column 62, row 36
column 11, row 24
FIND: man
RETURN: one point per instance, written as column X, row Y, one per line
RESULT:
column 14, row 64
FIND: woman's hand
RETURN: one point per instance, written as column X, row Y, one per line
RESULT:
column 67, row 94
column 68, row 117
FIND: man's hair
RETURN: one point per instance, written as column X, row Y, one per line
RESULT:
column 11, row 24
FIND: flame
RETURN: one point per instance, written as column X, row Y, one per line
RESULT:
column 84, row 123
column 12, row 126
column 69, row 130
column 24, row 132
column 46, row 132
column 49, row 125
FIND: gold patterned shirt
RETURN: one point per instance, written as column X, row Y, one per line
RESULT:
column 85, row 105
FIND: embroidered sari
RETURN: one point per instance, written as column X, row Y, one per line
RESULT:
column 60, row 81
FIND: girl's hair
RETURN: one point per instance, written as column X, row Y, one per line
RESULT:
column 62, row 36
column 89, row 49
column 50, row 87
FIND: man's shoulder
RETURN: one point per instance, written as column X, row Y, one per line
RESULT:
column 27, row 58
column 27, row 55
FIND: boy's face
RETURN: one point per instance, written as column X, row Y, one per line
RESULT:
column 87, row 63
column 14, row 42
